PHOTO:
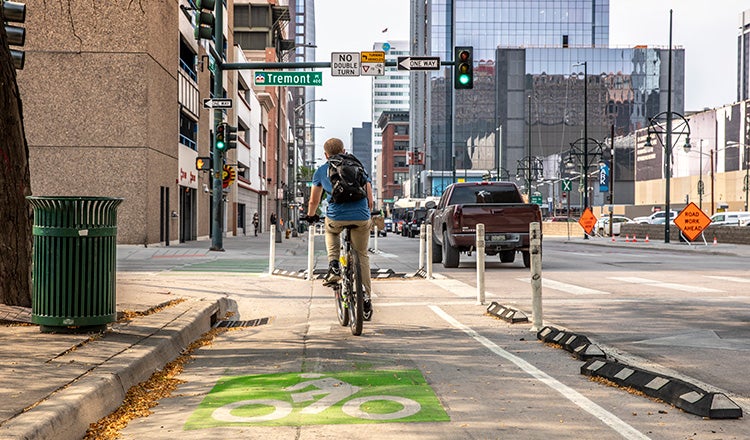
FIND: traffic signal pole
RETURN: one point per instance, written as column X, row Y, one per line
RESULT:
column 217, row 228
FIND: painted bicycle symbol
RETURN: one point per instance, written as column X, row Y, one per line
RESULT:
column 333, row 391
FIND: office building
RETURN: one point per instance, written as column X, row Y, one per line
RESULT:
column 529, row 49
column 743, row 56
column 361, row 143
column 390, row 92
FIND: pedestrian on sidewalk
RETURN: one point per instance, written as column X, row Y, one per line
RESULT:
column 273, row 218
column 256, row 222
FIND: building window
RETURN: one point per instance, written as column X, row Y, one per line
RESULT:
column 187, row 60
column 252, row 40
column 188, row 132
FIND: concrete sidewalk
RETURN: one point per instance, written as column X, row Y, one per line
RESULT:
column 54, row 385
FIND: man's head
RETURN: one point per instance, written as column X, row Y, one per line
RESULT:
column 333, row 146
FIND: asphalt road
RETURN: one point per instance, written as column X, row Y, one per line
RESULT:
column 473, row 376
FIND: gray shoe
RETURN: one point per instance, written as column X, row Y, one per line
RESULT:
column 334, row 274
column 367, row 307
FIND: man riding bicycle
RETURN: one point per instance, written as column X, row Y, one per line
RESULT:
column 338, row 216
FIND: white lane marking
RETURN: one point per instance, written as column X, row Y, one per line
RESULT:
column 609, row 419
column 732, row 279
column 673, row 286
column 567, row 288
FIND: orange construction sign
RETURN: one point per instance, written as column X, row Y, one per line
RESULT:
column 587, row 220
column 692, row 221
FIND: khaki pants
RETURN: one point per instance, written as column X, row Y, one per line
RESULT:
column 360, row 238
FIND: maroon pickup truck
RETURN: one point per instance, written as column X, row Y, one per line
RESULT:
column 498, row 205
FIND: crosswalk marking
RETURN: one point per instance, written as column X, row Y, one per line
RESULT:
column 661, row 284
column 565, row 287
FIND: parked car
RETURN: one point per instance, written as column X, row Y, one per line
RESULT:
column 728, row 218
column 562, row 219
column 414, row 220
column 655, row 218
column 602, row 225
column 389, row 225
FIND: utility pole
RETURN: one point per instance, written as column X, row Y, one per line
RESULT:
column 217, row 230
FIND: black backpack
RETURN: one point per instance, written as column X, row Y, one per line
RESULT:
column 348, row 178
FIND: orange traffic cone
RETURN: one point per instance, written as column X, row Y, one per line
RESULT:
column 714, row 239
column 634, row 239
column 646, row 238
column 613, row 238
column 627, row 238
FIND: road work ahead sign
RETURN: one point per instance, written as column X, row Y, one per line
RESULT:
column 692, row 221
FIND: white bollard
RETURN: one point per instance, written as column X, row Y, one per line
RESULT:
column 480, row 263
column 428, row 242
column 535, row 249
column 310, row 252
column 272, row 251
column 422, row 236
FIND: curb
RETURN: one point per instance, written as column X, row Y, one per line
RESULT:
column 681, row 394
column 67, row 412
column 506, row 313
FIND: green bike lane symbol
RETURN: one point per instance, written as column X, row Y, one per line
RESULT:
column 293, row 399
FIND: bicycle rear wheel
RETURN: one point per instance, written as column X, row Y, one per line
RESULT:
column 356, row 298
column 341, row 310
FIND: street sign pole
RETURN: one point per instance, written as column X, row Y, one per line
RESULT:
column 217, row 221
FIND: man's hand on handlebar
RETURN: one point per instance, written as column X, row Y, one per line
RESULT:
column 310, row 218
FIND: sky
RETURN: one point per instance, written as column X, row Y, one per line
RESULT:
column 707, row 30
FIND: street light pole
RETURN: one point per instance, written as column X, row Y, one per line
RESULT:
column 700, row 179
column 498, row 140
column 295, row 112
column 682, row 129
column 668, row 148
column 528, row 181
column 585, row 132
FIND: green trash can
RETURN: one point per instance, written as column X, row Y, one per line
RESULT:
column 74, row 263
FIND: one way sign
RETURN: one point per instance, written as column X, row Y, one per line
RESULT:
column 217, row 103
column 418, row 63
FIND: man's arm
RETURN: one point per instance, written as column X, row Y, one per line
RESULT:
column 368, row 188
column 315, row 194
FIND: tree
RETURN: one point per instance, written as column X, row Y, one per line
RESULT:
column 15, row 185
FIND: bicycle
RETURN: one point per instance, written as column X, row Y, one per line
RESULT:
column 349, row 293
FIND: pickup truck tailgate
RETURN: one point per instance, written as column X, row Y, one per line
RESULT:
column 498, row 217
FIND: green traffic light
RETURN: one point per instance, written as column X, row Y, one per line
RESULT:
column 463, row 79
column 220, row 145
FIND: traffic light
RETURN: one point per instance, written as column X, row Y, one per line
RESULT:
column 15, row 12
column 463, row 71
column 203, row 163
column 204, row 19
column 220, row 140
column 230, row 136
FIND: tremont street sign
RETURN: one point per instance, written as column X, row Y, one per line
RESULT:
column 293, row 79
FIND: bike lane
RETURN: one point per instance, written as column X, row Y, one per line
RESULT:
column 424, row 347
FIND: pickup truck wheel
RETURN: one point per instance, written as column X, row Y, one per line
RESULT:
column 507, row 256
column 526, row 258
column 451, row 256
column 437, row 251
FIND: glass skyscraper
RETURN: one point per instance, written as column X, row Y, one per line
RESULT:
column 528, row 96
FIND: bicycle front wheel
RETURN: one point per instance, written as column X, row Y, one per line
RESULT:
column 356, row 299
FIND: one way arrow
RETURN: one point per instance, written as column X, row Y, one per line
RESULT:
column 418, row 63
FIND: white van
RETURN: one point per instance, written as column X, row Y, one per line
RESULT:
column 730, row 218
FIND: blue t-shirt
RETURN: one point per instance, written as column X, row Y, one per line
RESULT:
column 358, row 210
